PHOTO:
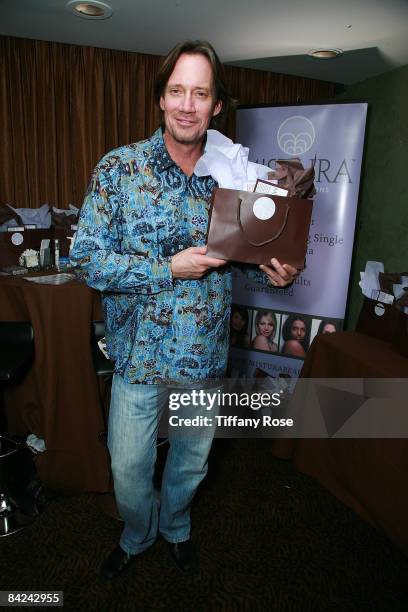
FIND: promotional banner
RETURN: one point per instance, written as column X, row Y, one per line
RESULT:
column 272, row 328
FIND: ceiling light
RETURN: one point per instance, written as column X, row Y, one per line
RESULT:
column 89, row 10
column 325, row 53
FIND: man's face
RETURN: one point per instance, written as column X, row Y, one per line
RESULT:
column 188, row 102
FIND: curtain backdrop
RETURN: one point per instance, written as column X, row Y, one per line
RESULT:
column 63, row 106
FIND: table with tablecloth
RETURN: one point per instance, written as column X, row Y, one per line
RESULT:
column 59, row 399
column 369, row 475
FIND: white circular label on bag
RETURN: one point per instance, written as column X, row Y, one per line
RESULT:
column 17, row 238
column 379, row 309
column 264, row 208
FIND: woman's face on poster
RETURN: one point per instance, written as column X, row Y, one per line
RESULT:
column 266, row 326
column 298, row 330
column 237, row 321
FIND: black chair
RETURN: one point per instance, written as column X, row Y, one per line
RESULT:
column 104, row 368
column 16, row 354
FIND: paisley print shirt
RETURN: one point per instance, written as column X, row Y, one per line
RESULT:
column 139, row 210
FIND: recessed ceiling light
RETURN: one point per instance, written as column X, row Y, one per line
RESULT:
column 325, row 53
column 90, row 10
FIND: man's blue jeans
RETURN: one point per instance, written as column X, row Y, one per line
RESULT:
column 132, row 433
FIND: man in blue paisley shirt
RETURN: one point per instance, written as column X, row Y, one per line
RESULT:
column 141, row 242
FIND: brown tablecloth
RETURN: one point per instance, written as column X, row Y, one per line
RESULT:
column 369, row 475
column 59, row 399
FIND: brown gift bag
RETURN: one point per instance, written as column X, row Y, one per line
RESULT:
column 400, row 340
column 377, row 319
column 10, row 250
column 241, row 228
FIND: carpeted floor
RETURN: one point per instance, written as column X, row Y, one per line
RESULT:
column 268, row 537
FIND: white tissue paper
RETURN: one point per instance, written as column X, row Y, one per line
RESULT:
column 228, row 163
column 37, row 445
column 41, row 217
column 398, row 291
column 63, row 211
column 369, row 282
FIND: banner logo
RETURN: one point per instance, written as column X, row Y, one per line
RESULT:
column 296, row 135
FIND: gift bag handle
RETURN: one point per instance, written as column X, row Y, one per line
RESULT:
column 259, row 244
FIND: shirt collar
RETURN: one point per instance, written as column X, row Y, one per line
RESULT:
column 161, row 155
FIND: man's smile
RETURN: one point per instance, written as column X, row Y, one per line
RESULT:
column 186, row 122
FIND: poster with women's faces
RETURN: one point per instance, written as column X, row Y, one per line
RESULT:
column 263, row 331
column 329, row 137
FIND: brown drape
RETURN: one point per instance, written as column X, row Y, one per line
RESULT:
column 63, row 106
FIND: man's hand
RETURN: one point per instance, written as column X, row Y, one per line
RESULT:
column 280, row 275
column 193, row 263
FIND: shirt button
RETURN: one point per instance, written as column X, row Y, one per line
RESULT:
column 179, row 311
column 174, row 339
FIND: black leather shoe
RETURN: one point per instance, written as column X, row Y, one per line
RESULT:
column 116, row 564
column 184, row 556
